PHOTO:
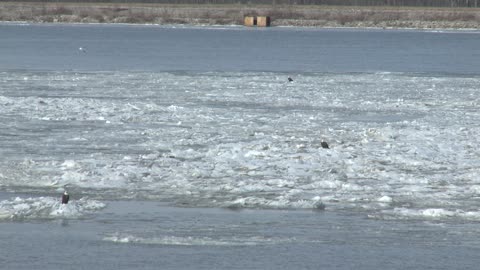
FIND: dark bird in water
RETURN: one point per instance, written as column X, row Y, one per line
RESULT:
column 65, row 197
column 290, row 79
column 324, row 145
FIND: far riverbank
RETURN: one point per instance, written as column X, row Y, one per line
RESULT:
column 302, row 16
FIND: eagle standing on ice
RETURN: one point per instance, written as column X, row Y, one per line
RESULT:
column 65, row 197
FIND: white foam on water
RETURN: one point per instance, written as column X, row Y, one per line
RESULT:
column 125, row 238
column 428, row 214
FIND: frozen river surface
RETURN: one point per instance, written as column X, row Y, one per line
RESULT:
column 198, row 118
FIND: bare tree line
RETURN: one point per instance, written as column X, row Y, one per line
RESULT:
column 413, row 3
column 193, row 12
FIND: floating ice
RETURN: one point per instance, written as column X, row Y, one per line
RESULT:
column 46, row 208
column 385, row 199
column 217, row 139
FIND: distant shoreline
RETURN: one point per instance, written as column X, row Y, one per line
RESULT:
column 299, row 16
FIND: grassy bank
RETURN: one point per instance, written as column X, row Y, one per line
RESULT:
column 316, row 16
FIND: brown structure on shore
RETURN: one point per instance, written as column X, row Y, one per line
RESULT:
column 262, row 21
column 250, row 21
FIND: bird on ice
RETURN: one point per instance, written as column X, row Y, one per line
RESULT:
column 65, row 197
column 82, row 50
column 324, row 144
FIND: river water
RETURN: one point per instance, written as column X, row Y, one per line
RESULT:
column 187, row 148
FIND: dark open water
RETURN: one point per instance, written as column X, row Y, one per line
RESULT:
column 152, row 48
